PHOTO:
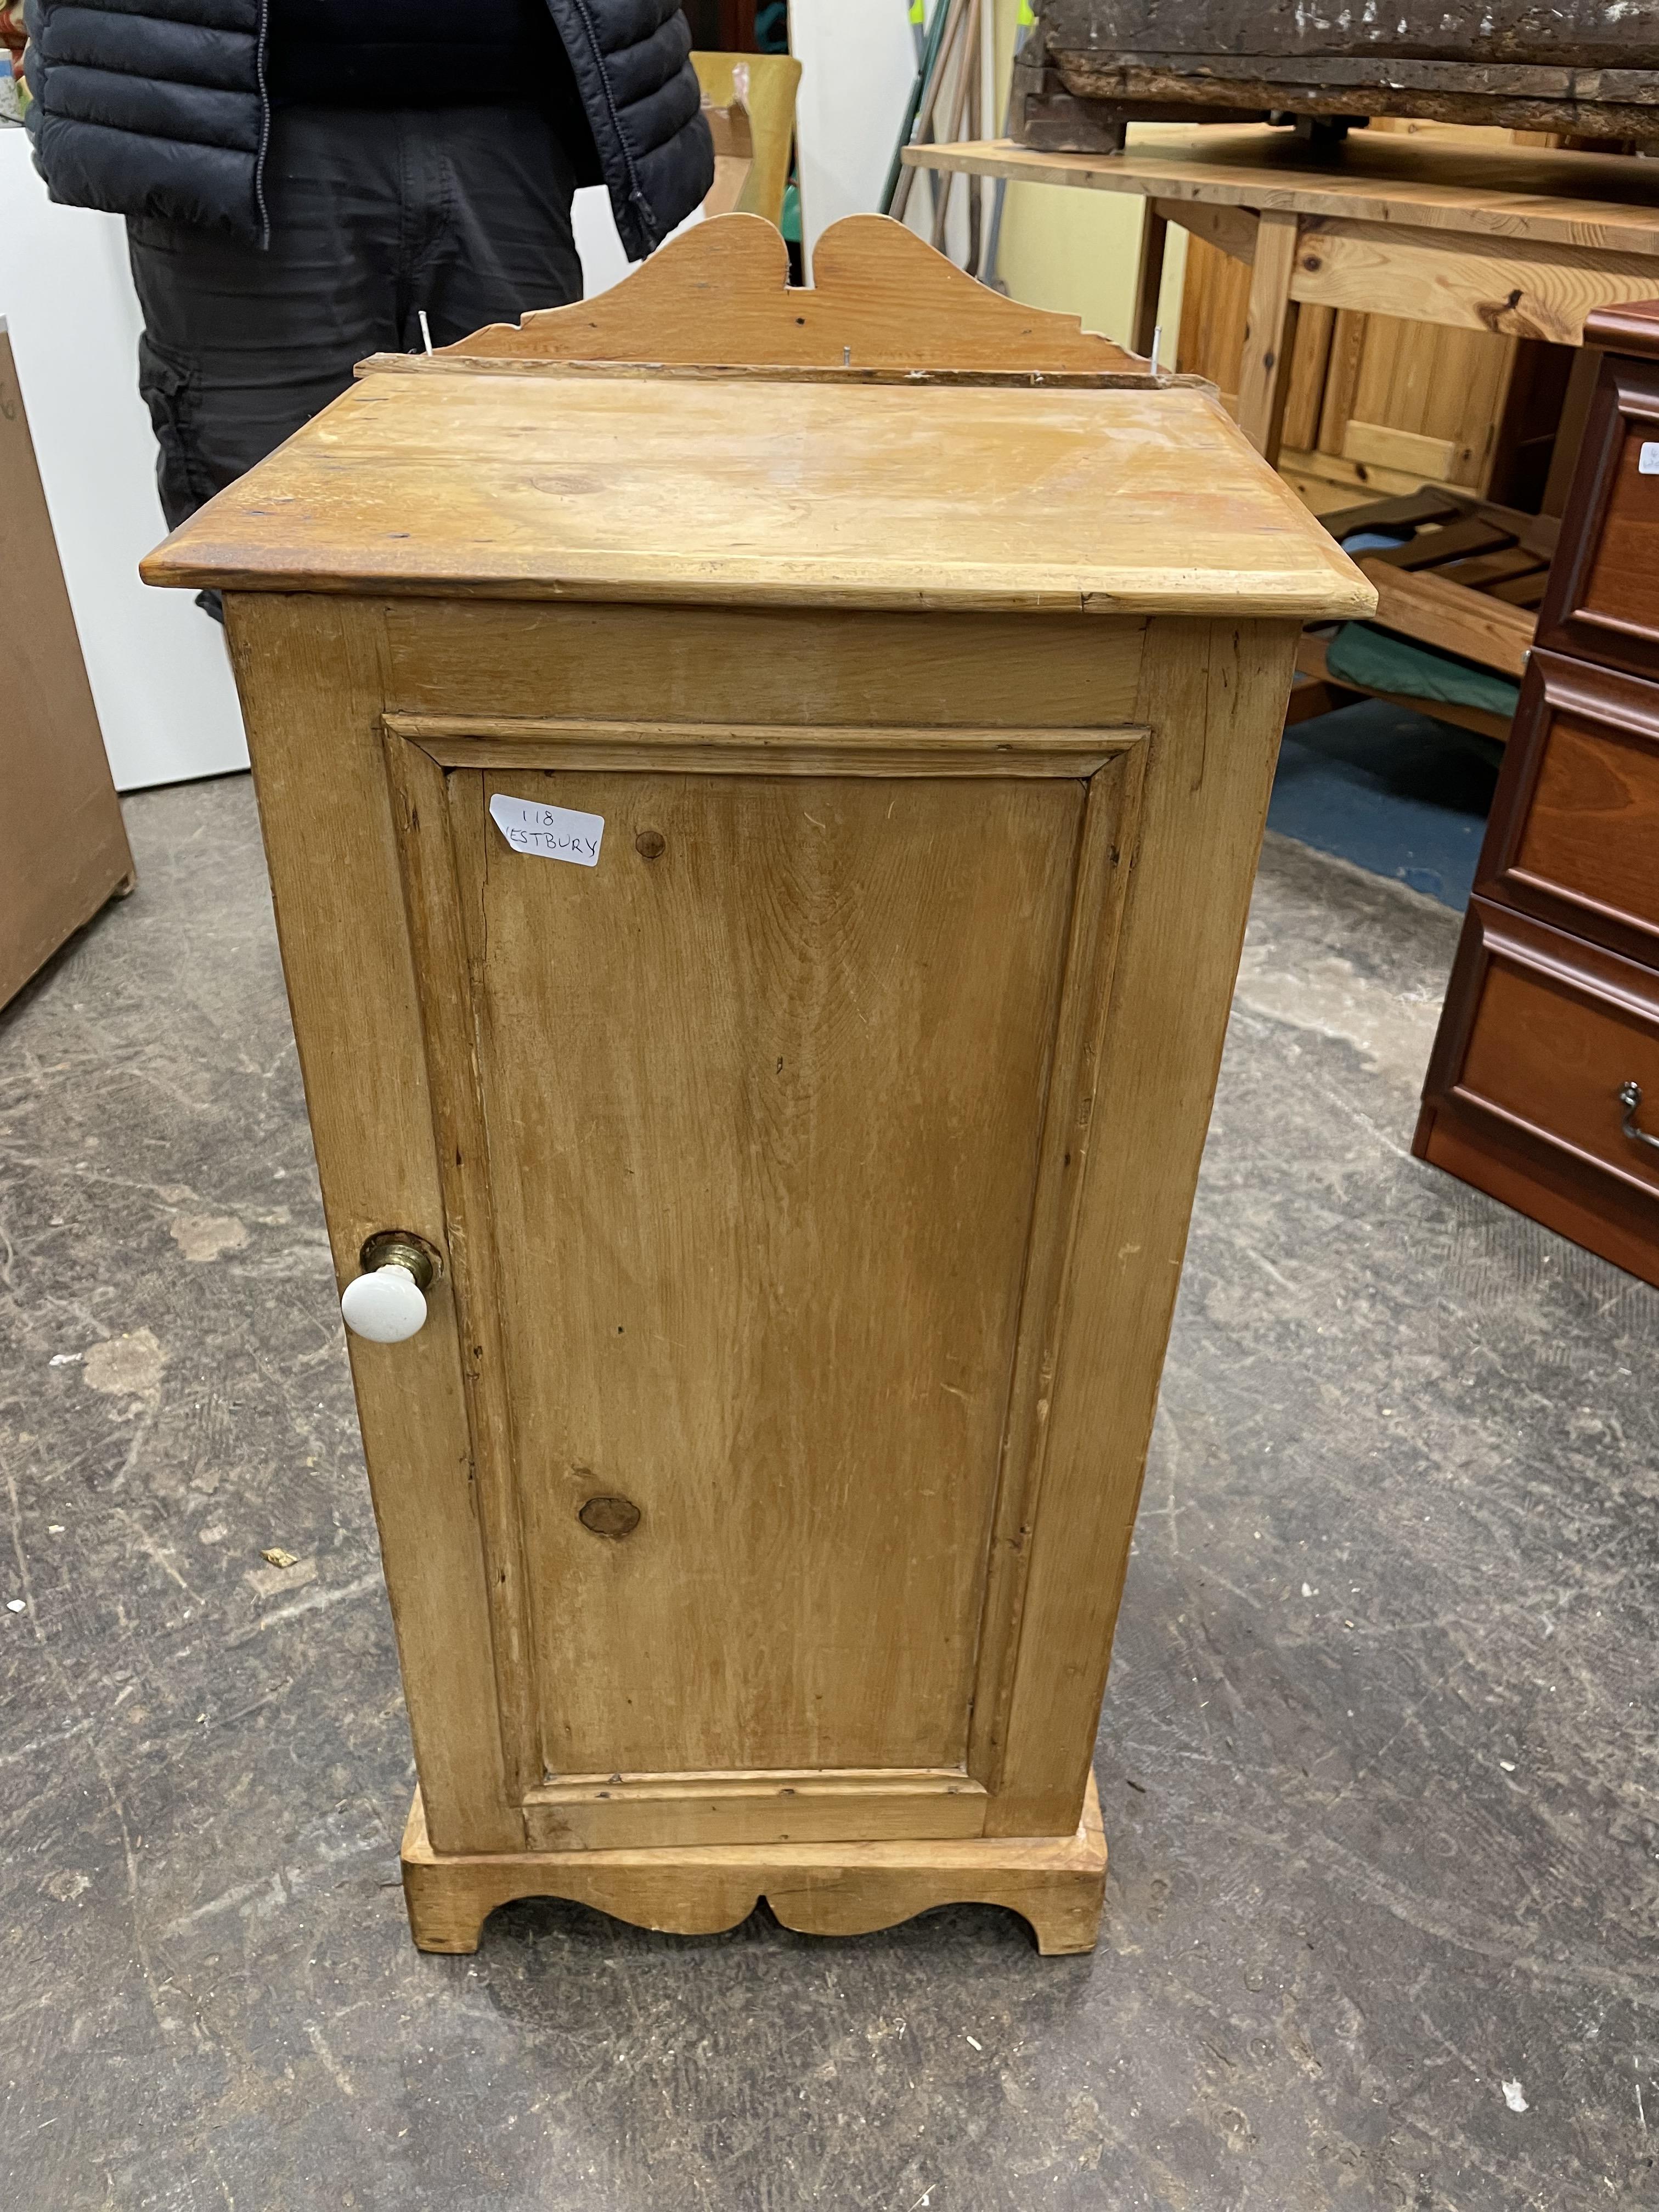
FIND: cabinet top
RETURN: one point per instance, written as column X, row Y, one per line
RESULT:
column 641, row 487
column 896, row 435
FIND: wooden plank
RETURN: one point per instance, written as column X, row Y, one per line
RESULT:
column 1120, row 61
column 1111, row 831
column 1404, row 450
column 1472, row 624
column 1352, row 478
column 1348, row 335
column 1432, row 547
column 510, row 487
column 1415, row 508
column 446, row 940
column 780, row 749
column 309, row 675
column 1519, row 289
column 1230, row 230
column 1055, row 1882
column 719, row 293
column 1214, row 698
column 1269, row 335
column 1311, row 664
column 1605, row 201
column 596, row 1812
column 1522, row 591
column 1149, row 278
column 1215, row 299
column 1309, row 363
column 1217, row 35
column 738, row 667
column 1490, row 568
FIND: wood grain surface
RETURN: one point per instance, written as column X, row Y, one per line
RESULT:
column 757, row 1245
column 1517, row 286
column 1607, row 201
column 719, row 294
column 1097, row 501
column 1420, row 605
column 1057, row 1883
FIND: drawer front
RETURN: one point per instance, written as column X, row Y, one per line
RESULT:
column 1548, row 1034
column 1603, row 599
column 1575, row 828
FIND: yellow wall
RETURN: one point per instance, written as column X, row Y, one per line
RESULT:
column 1077, row 251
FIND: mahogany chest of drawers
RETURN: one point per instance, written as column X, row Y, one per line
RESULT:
column 1544, row 1085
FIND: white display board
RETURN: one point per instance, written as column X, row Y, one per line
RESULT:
column 858, row 61
column 156, row 663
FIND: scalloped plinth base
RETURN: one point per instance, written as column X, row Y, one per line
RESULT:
column 1057, row 1883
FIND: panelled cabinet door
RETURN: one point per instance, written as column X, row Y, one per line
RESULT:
column 742, row 1081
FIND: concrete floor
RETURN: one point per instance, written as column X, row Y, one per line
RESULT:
column 1377, row 1760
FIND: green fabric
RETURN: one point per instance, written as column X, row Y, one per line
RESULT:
column 791, row 223
column 1377, row 661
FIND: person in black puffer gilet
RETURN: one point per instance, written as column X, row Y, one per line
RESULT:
column 302, row 178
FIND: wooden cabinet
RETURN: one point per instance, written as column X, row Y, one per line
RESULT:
column 1544, row 1086
column 761, row 858
column 62, row 845
column 1603, row 600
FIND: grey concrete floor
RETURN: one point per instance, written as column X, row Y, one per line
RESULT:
column 1378, row 1758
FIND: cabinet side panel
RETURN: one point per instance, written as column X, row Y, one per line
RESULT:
column 309, row 672
column 1214, row 695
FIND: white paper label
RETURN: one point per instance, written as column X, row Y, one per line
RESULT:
column 1647, row 461
column 557, row 833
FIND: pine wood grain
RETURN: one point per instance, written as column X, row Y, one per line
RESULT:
column 1213, row 695
column 1103, row 501
column 719, row 294
column 1605, row 201
column 774, row 1003
column 702, row 668
column 1264, row 369
column 309, row 676
column 1424, row 605
column 1056, row 1883
column 1516, row 287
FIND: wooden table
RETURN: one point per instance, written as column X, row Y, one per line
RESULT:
column 1522, row 243
column 799, row 1182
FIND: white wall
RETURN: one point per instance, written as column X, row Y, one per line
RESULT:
column 156, row 663
column 858, row 61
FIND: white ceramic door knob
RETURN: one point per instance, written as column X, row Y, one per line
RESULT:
column 386, row 1303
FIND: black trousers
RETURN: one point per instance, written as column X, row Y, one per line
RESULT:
column 374, row 216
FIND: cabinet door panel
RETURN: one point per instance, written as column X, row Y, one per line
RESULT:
column 760, row 1097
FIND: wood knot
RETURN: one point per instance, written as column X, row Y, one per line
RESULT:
column 610, row 1516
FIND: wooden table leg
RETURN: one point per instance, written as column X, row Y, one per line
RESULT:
column 1148, row 282
column 1264, row 374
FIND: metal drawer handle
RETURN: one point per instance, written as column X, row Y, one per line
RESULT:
column 1630, row 1098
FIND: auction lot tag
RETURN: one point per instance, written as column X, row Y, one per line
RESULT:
column 1647, row 461
column 556, row 833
